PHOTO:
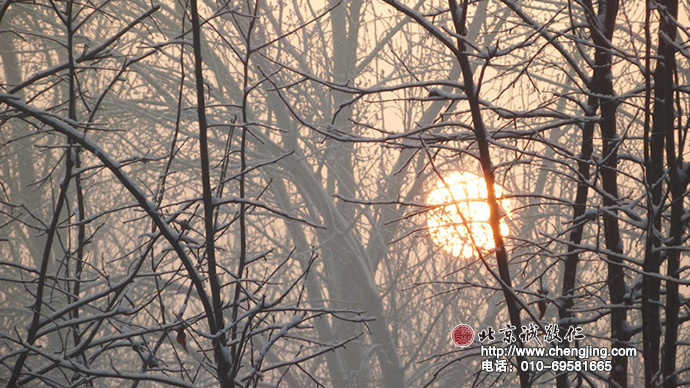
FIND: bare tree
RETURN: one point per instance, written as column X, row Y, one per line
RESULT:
column 583, row 62
column 235, row 193
column 149, row 301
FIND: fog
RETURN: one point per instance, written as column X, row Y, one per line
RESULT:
column 268, row 193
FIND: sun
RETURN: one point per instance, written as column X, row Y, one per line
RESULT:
column 459, row 210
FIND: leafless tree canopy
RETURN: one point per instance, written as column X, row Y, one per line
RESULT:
column 239, row 193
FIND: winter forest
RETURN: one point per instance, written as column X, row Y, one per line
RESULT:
column 296, row 193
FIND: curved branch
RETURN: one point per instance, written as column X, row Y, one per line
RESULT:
column 67, row 128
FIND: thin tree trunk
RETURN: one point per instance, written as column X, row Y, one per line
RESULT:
column 602, row 27
column 664, row 91
column 459, row 15
column 573, row 257
column 219, row 339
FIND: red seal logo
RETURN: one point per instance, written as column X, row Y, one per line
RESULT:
column 462, row 335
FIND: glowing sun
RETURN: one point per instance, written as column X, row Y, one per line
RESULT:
column 459, row 210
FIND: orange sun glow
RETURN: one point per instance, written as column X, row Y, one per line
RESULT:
column 459, row 210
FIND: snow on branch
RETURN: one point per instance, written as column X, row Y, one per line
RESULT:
column 66, row 128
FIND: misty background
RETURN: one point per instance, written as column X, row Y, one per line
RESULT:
column 234, row 193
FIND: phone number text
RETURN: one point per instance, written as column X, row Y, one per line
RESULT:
column 566, row 366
